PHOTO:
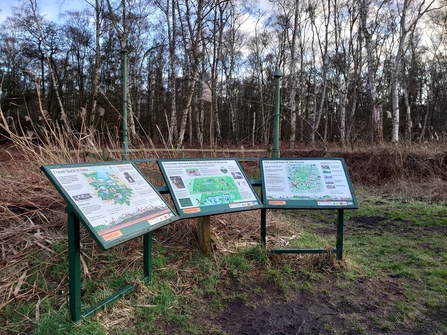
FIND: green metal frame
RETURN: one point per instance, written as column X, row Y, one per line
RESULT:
column 74, row 271
column 339, row 238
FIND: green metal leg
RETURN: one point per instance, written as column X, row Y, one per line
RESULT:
column 147, row 250
column 74, row 267
column 263, row 226
column 147, row 268
column 74, row 272
column 340, row 228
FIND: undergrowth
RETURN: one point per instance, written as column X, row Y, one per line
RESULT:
column 397, row 235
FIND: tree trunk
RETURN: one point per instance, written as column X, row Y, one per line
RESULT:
column 194, row 40
column 97, row 62
column 377, row 134
column 292, row 97
column 172, row 74
column 324, row 54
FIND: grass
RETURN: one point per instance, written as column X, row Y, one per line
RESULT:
column 404, row 243
column 395, row 256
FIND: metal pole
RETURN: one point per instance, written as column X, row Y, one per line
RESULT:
column 340, row 229
column 275, row 151
column 147, row 249
column 263, row 226
column 125, row 138
column 74, row 266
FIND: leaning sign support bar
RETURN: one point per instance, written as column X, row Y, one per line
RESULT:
column 115, row 203
column 307, row 183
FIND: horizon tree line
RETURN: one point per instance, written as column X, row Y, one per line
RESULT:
column 202, row 71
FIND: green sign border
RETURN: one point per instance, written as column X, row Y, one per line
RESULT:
column 309, row 204
column 73, row 207
column 212, row 209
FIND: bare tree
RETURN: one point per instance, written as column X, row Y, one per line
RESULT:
column 346, row 61
column 233, row 43
column 409, row 13
column 122, row 31
column 322, row 44
column 367, row 32
column 259, row 44
column 38, row 22
column 192, row 34
column 289, row 18
column 169, row 10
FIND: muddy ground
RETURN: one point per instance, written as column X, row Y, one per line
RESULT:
column 323, row 307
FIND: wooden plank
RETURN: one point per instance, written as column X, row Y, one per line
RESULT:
column 204, row 234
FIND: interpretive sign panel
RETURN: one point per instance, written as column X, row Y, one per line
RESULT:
column 114, row 201
column 306, row 183
column 208, row 186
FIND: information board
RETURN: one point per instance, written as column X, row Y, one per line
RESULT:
column 208, row 186
column 114, row 201
column 306, row 183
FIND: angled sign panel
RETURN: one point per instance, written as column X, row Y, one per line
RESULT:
column 201, row 187
column 306, row 183
column 114, row 201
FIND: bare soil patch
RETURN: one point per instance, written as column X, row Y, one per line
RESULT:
column 321, row 310
column 319, row 306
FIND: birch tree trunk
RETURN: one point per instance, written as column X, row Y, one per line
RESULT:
column 218, row 30
column 293, row 80
column 172, row 73
column 377, row 134
column 97, row 61
column 232, row 46
column 408, row 122
column 411, row 13
column 323, row 46
column 194, row 42
column 260, row 84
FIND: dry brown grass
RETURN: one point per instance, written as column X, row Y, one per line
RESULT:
column 33, row 216
column 33, row 219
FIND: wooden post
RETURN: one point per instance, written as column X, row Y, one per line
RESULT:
column 204, row 234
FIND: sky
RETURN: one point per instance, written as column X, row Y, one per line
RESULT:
column 52, row 8
column 48, row 8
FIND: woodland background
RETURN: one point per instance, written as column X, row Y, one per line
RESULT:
column 202, row 71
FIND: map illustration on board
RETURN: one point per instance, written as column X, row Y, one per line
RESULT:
column 319, row 182
column 109, row 188
column 210, row 191
column 304, row 178
column 207, row 186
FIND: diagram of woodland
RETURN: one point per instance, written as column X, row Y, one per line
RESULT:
column 108, row 188
column 208, row 191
